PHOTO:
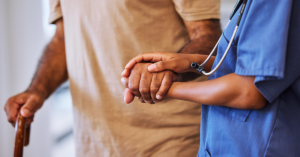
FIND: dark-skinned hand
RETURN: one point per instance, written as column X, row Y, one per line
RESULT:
column 146, row 86
column 27, row 102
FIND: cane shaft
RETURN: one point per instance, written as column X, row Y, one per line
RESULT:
column 20, row 135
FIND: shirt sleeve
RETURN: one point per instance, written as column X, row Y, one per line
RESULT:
column 192, row 10
column 263, row 46
column 55, row 11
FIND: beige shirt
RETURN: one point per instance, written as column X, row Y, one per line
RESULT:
column 101, row 37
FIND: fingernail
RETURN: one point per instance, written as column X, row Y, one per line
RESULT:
column 26, row 112
column 152, row 67
column 158, row 97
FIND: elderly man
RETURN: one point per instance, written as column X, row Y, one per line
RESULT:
column 93, row 42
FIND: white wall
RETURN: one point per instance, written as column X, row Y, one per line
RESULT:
column 21, row 43
column 5, row 130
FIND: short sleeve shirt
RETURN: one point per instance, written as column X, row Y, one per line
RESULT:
column 266, row 46
column 101, row 36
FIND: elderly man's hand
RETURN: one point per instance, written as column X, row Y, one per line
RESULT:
column 148, row 87
column 27, row 102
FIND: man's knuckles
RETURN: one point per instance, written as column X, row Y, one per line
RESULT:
column 10, row 100
column 11, row 118
column 141, row 99
column 133, row 87
column 35, row 98
column 154, row 89
column 144, row 90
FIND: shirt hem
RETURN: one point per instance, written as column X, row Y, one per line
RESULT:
column 196, row 17
column 272, row 72
column 55, row 16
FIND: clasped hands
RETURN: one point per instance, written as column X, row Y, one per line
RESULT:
column 149, row 76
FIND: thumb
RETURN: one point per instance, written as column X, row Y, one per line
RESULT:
column 164, row 65
column 128, row 96
column 29, row 108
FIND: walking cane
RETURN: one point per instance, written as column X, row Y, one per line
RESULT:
column 22, row 135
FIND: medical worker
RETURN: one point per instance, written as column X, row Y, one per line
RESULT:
column 253, row 100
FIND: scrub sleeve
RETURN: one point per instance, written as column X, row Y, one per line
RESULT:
column 262, row 47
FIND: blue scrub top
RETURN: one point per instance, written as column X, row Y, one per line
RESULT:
column 267, row 46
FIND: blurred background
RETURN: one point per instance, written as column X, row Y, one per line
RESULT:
column 24, row 32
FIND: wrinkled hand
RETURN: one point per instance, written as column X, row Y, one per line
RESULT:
column 176, row 62
column 148, row 87
column 28, row 102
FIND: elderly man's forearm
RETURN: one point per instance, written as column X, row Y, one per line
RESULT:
column 204, row 34
column 52, row 67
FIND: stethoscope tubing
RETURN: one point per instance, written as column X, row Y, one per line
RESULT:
column 213, row 51
column 200, row 68
column 224, row 55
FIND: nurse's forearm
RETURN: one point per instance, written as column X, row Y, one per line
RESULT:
column 230, row 90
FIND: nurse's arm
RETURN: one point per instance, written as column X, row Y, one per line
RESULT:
column 231, row 90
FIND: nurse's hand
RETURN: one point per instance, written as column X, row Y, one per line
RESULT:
column 148, row 87
column 175, row 62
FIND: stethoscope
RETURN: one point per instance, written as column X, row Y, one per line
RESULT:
column 200, row 68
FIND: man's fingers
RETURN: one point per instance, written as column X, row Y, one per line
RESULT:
column 30, row 107
column 144, row 87
column 155, row 85
column 141, row 99
column 26, row 103
column 133, row 83
column 29, row 120
column 165, row 85
column 12, row 109
column 13, row 106
column 125, row 80
column 128, row 96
